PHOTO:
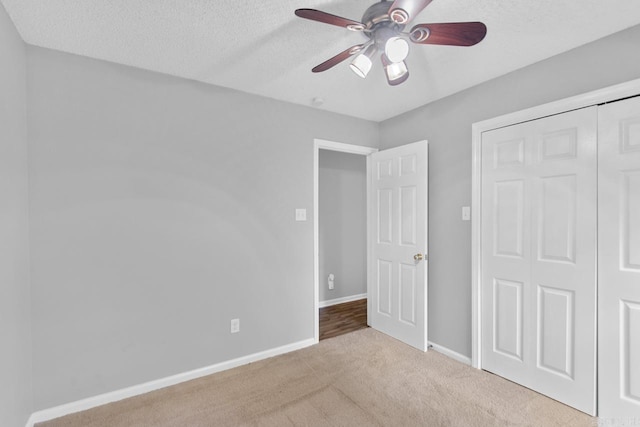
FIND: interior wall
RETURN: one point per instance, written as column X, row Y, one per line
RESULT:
column 446, row 124
column 342, row 225
column 15, row 319
column 162, row 208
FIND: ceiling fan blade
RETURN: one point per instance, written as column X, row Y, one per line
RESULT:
column 452, row 33
column 327, row 18
column 337, row 59
column 403, row 11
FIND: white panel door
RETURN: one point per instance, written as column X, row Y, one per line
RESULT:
column 539, row 255
column 619, row 260
column 397, row 289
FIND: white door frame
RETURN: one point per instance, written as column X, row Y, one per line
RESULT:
column 321, row 144
column 600, row 96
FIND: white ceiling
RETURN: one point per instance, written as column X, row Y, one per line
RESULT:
column 261, row 47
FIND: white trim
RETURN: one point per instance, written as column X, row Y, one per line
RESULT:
column 335, row 301
column 476, row 227
column 600, row 96
column 450, row 353
column 31, row 421
column 321, row 144
column 113, row 396
column 370, row 232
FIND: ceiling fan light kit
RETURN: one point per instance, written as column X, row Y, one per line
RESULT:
column 396, row 49
column 361, row 64
column 396, row 72
column 383, row 24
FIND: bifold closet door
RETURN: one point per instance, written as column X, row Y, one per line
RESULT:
column 619, row 260
column 538, row 296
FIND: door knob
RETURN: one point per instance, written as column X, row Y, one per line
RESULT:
column 418, row 257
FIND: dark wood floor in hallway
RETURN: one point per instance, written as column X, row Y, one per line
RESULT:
column 343, row 318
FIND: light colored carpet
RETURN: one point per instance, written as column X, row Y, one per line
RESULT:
column 360, row 379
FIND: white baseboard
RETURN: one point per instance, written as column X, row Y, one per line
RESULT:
column 113, row 396
column 342, row 300
column 450, row 353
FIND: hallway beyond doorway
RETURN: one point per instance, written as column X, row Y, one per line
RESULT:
column 343, row 318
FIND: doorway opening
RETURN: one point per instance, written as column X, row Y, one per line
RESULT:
column 340, row 237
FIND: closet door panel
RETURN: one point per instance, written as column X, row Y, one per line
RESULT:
column 539, row 255
column 564, row 221
column 619, row 260
column 506, row 259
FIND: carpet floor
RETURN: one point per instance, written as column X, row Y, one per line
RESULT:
column 364, row 378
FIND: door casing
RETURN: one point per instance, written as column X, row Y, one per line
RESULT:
column 321, row 144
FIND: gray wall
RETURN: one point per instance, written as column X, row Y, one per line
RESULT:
column 15, row 318
column 162, row 208
column 447, row 126
column 342, row 201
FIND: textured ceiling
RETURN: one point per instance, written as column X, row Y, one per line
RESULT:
column 260, row 47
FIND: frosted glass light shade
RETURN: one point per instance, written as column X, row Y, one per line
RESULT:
column 361, row 65
column 396, row 70
column 396, row 49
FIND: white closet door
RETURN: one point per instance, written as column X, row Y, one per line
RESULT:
column 539, row 255
column 619, row 259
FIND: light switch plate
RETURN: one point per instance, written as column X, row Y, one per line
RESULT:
column 466, row 213
column 301, row 214
column 235, row 326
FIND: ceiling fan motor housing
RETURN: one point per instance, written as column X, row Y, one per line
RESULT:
column 378, row 25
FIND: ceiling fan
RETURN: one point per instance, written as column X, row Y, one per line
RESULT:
column 383, row 24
